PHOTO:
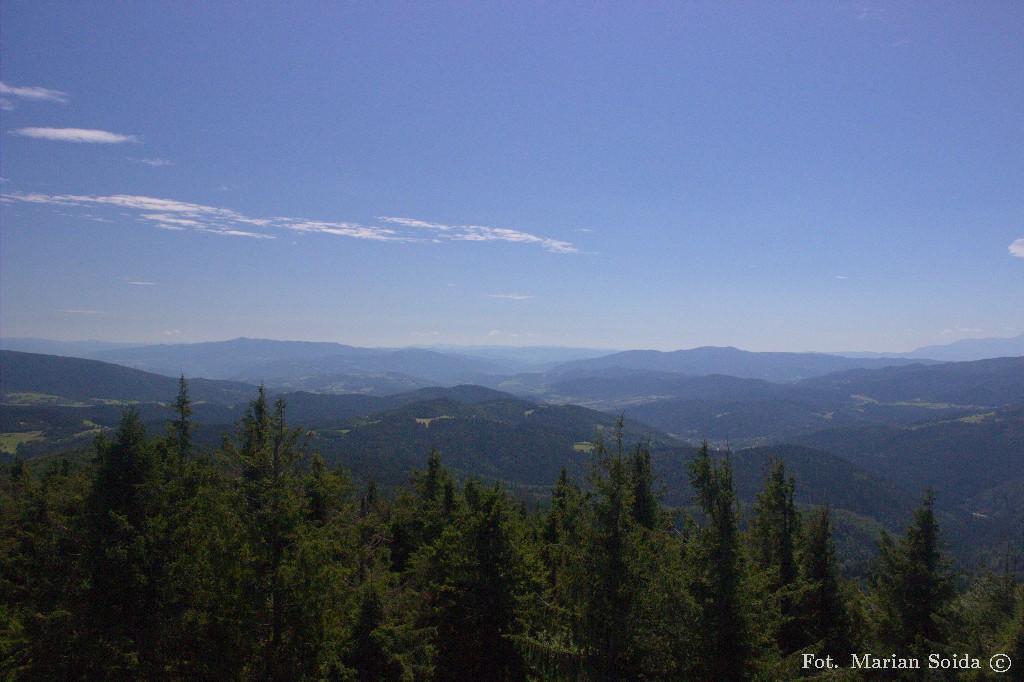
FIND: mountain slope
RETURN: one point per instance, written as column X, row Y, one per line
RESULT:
column 960, row 458
column 998, row 381
column 258, row 360
column 511, row 439
column 973, row 349
column 76, row 379
column 738, row 412
column 730, row 361
column 821, row 478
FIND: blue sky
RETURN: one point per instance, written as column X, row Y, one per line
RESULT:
column 774, row 176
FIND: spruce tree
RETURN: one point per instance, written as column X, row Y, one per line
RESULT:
column 477, row 576
column 267, row 450
column 825, row 617
column 773, row 538
column 912, row 586
column 645, row 500
column 120, row 607
column 716, row 574
column 610, row 581
column 181, row 426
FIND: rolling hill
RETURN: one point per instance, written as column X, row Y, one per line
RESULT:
column 730, row 361
column 25, row 377
column 961, row 458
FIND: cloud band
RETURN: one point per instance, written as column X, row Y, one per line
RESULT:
column 175, row 215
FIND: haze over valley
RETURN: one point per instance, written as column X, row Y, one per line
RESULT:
column 511, row 341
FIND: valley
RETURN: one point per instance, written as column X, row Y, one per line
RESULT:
column 866, row 436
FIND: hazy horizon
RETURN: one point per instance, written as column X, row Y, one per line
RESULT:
column 828, row 177
column 495, row 346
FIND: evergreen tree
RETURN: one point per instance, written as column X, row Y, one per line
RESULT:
column 715, row 564
column 41, row 575
column 368, row 657
column 476, row 579
column 181, row 426
column 120, row 607
column 561, row 534
column 325, row 491
column 645, row 500
column 267, row 450
column 609, row 582
column 824, row 614
column 419, row 518
column 912, row 586
column 773, row 538
column 549, row 643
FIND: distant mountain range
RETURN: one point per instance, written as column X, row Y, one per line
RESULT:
column 483, row 432
column 33, row 377
column 867, row 441
column 959, row 351
column 729, row 361
column 302, row 365
column 331, row 367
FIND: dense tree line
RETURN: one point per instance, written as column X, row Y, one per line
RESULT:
column 258, row 562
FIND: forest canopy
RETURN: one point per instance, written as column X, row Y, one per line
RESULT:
column 158, row 559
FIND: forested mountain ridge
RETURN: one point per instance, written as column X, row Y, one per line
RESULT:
column 514, row 440
column 902, row 436
column 730, row 361
column 85, row 380
column 257, row 360
column 130, row 564
column 960, row 457
column 748, row 411
column 987, row 383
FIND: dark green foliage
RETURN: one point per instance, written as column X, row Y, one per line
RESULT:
column 120, row 599
column 715, row 563
column 41, row 574
column 645, row 499
column 266, row 449
column 168, row 559
column 368, row 658
column 774, row 534
column 181, row 426
column 823, row 613
column 913, row 587
column 609, row 589
column 478, row 576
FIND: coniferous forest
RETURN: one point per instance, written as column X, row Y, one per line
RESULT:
column 161, row 559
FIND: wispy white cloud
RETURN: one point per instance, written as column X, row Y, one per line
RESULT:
column 510, row 297
column 140, row 284
column 1017, row 248
column 166, row 214
column 170, row 214
column 75, row 135
column 151, row 162
column 82, row 312
column 481, row 233
column 842, row 277
column 343, row 229
column 33, row 92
